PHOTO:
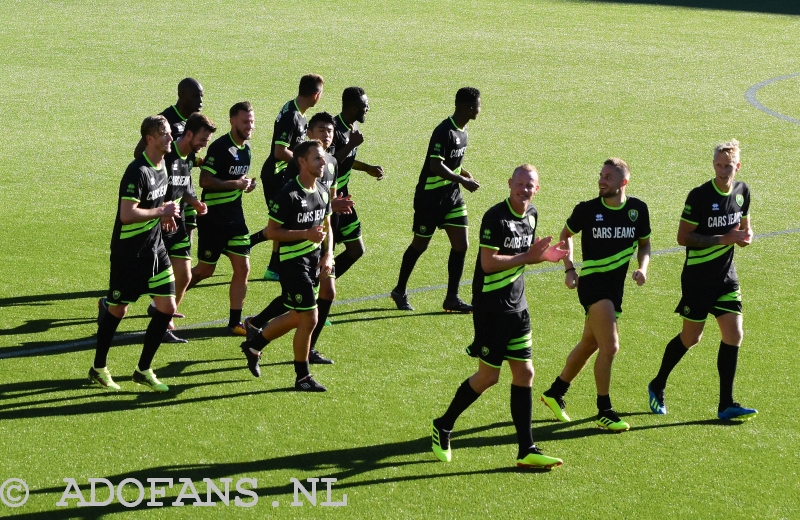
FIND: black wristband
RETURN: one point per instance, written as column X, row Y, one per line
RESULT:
column 568, row 270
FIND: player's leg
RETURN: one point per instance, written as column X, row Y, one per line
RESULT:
column 304, row 381
column 238, row 252
column 252, row 347
column 730, row 326
column 455, row 268
column 327, row 293
column 528, row 454
column 107, row 327
column 210, row 244
column 182, row 267
column 200, row 272
column 347, row 231
column 418, row 246
column 553, row 397
column 690, row 335
column 602, row 318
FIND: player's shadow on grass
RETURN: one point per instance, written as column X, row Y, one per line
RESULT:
column 68, row 397
column 43, row 299
column 348, row 466
column 335, row 318
column 763, row 6
column 44, row 325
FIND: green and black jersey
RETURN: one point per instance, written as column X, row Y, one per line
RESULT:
column 226, row 161
column 609, row 237
column 177, row 123
column 179, row 170
column 146, row 185
column 328, row 178
column 289, row 131
column 714, row 213
column 509, row 234
column 341, row 136
column 448, row 143
column 296, row 208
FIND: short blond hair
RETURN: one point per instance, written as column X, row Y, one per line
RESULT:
column 730, row 148
column 621, row 166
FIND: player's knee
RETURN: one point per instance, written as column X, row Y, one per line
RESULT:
column 609, row 350
column 356, row 250
column 420, row 244
column 689, row 340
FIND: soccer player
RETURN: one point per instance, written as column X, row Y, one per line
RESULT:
column 438, row 202
column 347, row 139
column 139, row 261
column 321, row 128
column 222, row 229
column 502, row 322
column 715, row 218
column 179, row 162
column 190, row 100
column 299, row 220
column 290, row 130
column 613, row 225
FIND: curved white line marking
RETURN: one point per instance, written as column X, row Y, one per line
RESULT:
column 750, row 95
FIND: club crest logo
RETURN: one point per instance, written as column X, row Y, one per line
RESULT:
column 739, row 199
column 422, row 229
column 116, row 295
column 485, row 351
column 325, row 197
column 207, row 253
column 298, row 298
column 633, row 215
column 686, row 310
column 330, row 167
column 532, row 220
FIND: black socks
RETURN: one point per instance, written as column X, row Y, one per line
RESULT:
column 410, row 258
column 152, row 338
column 727, row 358
column 464, row 397
column 455, row 268
column 672, row 356
column 521, row 404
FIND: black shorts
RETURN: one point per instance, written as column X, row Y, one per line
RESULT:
column 213, row 240
column 501, row 336
column 149, row 273
column 698, row 302
column 272, row 184
column 178, row 243
column 347, row 228
column 189, row 216
column 592, row 289
column 299, row 287
column 438, row 210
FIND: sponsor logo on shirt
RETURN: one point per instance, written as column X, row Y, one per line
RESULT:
column 725, row 220
column 157, row 193
column 131, row 188
column 310, row 216
column 518, row 242
column 687, row 209
column 180, row 180
column 458, row 152
column 614, row 232
column 715, row 207
column 239, row 171
column 234, row 152
column 598, row 217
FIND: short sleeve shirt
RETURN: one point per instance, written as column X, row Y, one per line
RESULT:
column 341, row 136
column 146, row 185
column 328, row 178
column 179, row 170
column 714, row 213
column 289, row 131
column 609, row 237
column 226, row 161
column 177, row 123
column 448, row 143
column 296, row 208
column 509, row 234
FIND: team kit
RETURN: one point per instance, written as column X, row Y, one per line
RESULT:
column 305, row 182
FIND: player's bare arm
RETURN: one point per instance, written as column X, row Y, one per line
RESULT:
column 571, row 275
column 372, row 171
column 131, row 213
column 688, row 237
column 439, row 168
column 211, row 183
column 643, row 255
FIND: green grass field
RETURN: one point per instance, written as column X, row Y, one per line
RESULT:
column 565, row 84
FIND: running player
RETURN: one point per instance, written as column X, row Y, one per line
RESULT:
column 613, row 225
column 179, row 162
column 321, row 128
column 716, row 216
column 438, row 202
column 289, row 131
column 502, row 322
column 139, row 261
column 223, row 230
column 300, row 222
column 347, row 139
